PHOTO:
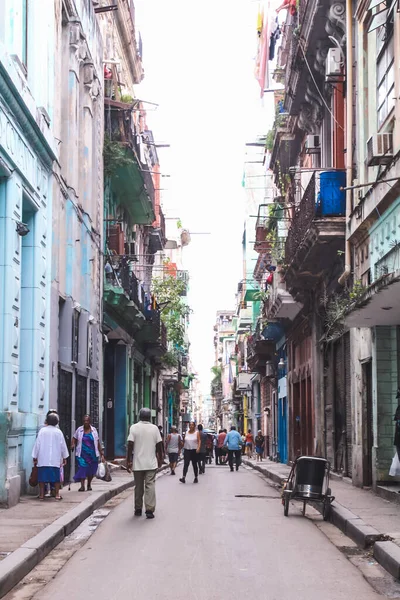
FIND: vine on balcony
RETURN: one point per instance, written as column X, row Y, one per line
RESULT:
column 337, row 307
column 114, row 156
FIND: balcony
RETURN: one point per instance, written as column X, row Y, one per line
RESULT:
column 124, row 296
column 263, row 225
column 157, row 233
column 126, row 164
column 153, row 335
column 261, row 347
column 316, row 234
column 245, row 319
column 281, row 304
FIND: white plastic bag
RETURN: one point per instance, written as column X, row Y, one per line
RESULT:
column 395, row 467
column 101, row 470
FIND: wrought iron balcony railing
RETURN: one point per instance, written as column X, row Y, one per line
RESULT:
column 302, row 219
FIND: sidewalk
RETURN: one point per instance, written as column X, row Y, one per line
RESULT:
column 31, row 529
column 365, row 517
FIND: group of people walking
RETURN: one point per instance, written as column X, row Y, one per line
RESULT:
column 247, row 445
column 50, row 454
column 145, row 454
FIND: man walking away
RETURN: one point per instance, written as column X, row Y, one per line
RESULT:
column 201, row 457
column 145, row 445
column 173, row 446
column 220, row 445
column 234, row 442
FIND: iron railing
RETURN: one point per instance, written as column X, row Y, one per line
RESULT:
column 303, row 217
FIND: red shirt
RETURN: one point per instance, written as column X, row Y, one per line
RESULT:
column 221, row 440
column 249, row 438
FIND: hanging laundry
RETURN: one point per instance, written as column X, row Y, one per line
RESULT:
column 275, row 35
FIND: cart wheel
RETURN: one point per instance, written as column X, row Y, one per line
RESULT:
column 304, row 508
column 286, row 505
column 326, row 509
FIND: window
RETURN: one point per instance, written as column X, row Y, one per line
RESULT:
column 385, row 82
column 75, row 336
column 18, row 32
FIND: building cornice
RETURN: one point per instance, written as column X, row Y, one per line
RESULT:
column 25, row 119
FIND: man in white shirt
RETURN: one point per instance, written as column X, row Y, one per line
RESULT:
column 145, row 445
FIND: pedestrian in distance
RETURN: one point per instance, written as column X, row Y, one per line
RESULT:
column 201, row 457
column 144, row 455
column 243, row 443
column 209, row 448
column 173, row 446
column 259, row 441
column 233, row 441
column 49, row 454
column 162, row 439
column 191, row 449
column 88, row 452
column 249, row 444
column 219, row 448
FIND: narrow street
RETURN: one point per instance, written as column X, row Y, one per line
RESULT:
column 207, row 543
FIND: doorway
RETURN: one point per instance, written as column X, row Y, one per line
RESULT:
column 368, row 439
column 282, row 430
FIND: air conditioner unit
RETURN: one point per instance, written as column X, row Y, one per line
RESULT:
column 333, row 63
column 380, row 149
column 313, row 144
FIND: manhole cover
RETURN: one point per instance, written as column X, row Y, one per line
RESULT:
column 256, row 496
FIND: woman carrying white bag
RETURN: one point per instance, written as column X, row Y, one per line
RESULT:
column 395, row 466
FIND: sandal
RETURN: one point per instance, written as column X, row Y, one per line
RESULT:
column 41, row 498
column 89, row 488
column 57, row 497
column 81, row 489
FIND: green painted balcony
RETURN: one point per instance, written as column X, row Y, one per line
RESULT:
column 126, row 164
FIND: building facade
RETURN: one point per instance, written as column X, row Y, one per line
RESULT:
column 27, row 154
column 373, row 225
column 76, row 340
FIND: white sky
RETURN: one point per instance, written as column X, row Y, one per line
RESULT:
column 199, row 67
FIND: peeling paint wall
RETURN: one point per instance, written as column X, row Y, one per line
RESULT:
column 77, row 226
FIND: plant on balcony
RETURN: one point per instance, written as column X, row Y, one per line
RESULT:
column 170, row 359
column 337, row 307
column 114, row 156
column 174, row 312
column 126, row 98
column 269, row 142
column 216, row 382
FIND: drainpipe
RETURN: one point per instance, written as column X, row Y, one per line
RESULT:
column 349, row 134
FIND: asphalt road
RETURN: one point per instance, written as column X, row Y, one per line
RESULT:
column 208, row 544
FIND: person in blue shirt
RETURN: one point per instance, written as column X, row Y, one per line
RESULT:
column 234, row 443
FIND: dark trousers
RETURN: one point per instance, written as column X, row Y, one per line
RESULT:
column 190, row 456
column 201, row 459
column 217, row 454
column 237, row 454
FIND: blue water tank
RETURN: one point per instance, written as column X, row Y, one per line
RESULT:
column 332, row 199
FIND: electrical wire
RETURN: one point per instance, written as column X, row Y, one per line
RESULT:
column 318, row 90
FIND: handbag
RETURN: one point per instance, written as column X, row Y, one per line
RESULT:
column 33, row 479
column 394, row 470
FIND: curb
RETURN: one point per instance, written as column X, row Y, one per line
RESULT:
column 386, row 553
column 19, row 563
